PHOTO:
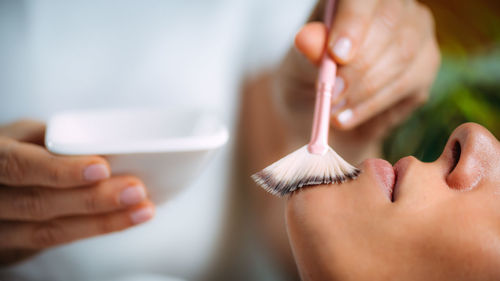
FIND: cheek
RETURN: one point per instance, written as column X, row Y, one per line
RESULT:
column 494, row 171
column 477, row 236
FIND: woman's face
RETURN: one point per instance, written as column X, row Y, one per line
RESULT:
column 413, row 221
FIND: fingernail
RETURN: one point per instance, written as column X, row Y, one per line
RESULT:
column 344, row 116
column 342, row 48
column 339, row 86
column 132, row 195
column 96, row 172
column 142, row 215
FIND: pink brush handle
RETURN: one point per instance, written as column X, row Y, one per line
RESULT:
column 324, row 91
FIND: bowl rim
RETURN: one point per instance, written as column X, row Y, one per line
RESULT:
column 212, row 141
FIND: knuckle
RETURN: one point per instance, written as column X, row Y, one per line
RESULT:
column 90, row 201
column 362, row 64
column 353, row 15
column 30, row 203
column 10, row 163
column 369, row 85
column 105, row 224
column 407, row 45
column 47, row 234
column 402, row 85
column 389, row 16
column 55, row 174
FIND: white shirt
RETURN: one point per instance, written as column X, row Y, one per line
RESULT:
column 58, row 55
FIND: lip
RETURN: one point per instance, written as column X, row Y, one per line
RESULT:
column 385, row 175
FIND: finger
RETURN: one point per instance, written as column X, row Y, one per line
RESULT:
column 361, row 85
column 31, row 131
column 386, row 21
column 378, row 126
column 417, row 79
column 350, row 25
column 37, row 204
column 46, row 234
column 378, row 109
column 23, row 164
column 310, row 41
column 386, row 53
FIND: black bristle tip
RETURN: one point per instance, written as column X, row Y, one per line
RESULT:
column 279, row 188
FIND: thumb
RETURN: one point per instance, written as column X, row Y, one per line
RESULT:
column 350, row 24
column 24, row 131
column 311, row 40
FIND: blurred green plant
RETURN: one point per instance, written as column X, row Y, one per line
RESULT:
column 467, row 89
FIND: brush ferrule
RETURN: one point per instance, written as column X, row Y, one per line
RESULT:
column 318, row 149
column 325, row 88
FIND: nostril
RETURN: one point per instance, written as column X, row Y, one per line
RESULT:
column 465, row 168
column 470, row 156
column 455, row 155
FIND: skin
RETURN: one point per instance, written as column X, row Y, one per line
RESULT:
column 416, row 221
column 46, row 201
column 386, row 75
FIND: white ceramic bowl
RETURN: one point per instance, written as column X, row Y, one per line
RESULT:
column 166, row 148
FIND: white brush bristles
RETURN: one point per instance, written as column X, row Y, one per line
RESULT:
column 302, row 168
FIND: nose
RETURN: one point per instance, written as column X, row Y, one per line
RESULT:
column 472, row 153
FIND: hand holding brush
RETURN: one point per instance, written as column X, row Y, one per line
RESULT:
column 387, row 57
column 315, row 163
